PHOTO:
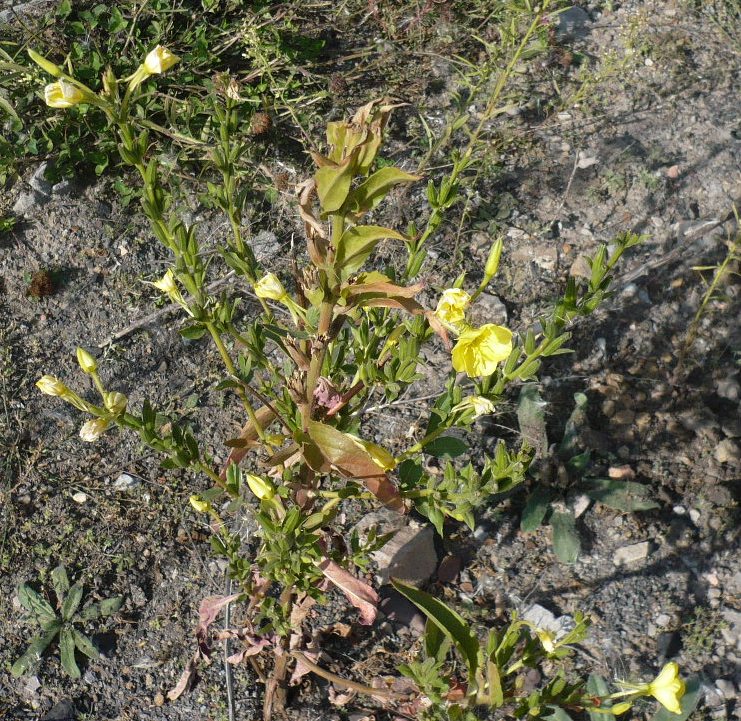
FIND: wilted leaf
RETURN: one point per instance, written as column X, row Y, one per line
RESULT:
column 566, row 541
column 447, row 620
column 185, row 679
column 209, row 610
column 359, row 593
column 625, row 496
column 248, row 434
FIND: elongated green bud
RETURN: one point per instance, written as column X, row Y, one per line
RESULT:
column 44, row 64
column 263, row 489
column 492, row 262
column 88, row 364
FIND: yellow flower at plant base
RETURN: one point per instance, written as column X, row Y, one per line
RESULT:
column 269, row 287
column 94, row 429
column 451, row 308
column 159, row 60
column 547, row 639
column 479, row 350
column 63, row 94
column 51, row 385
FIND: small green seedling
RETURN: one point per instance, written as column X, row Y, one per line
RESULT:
column 61, row 623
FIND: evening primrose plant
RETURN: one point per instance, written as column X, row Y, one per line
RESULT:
column 302, row 368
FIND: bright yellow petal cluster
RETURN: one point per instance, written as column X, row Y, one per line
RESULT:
column 159, row 60
column 63, row 95
column 199, row 504
column 451, row 308
column 668, row 688
column 479, row 350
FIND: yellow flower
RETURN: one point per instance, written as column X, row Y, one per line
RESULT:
column 269, row 286
column 478, row 404
column 263, row 489
column 168, row 285
column 199, row 504
column 63, row 95
column 51, row 386
column 451, row 308
column 479, row 350
column 547, row 639
column 86, row 361
column 668, row 688
column 159, row 60
column 94, row 429
column 115, row 402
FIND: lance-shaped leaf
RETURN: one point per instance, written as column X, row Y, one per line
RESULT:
column 357, row 243
column 85, row 645
column 35, row 649
column 71, row 601
column 67, row 652
column 60, row 581
column 106, row 607
column 359, row 593
column 335, row 449
column 31, row 601
column 374, row 189
column 447, row 620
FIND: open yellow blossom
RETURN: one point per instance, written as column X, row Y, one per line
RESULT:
column 63, row 94
column 668, row 688
column 51, row 385
column 93, row 429
column 479, row 350
column 159, row 60
column 451, row 308
column 270, row 287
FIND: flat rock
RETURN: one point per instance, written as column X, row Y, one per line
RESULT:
column 727, row 451
column 125, row 482
column 409, row 556
column 572, row 24
column 631, row 554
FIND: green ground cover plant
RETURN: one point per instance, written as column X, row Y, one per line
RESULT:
column 302, row 368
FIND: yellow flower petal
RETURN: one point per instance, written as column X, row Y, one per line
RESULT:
column 668, row 688
column 63, row 95
column 451, row 308
column 159, row 60
column 479, row 350
column 269, row 286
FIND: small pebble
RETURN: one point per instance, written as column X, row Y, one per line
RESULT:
column 632, row 553
column 79, row 497
column 159, row 699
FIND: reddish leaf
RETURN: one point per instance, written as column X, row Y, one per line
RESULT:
column 359, row 593
column 185, row 678
column 248, row 435
column 209, row 610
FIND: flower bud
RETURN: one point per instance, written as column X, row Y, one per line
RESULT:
column 94, row 429
column 263, row 489
column 88, row 364
column 159, row 60
column 63, row 94
column 620, row 708
column 478, row 405
column 492, row 262
column 269, row 286
column 115, row 402
column 199, row 504
column 44, row 64
column 51, row 386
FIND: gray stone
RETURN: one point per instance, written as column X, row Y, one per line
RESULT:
column 125, row 482
column 488, row 308
column 38, row 182
column 409, row 556
column 79, row 497
column 726, row 688
column 27, row 201
column 728, row 388
column 572, row 24
column 579, row 504
column 731, row 631
column 266, row 245
column 727, row 451
column 63, row 187
column 631, row 554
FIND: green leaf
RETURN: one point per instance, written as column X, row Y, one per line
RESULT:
column 566, row 541
column 436, row 642
column 692, row 693
column 60, row 581
column 373, row 190
column 85, row 645
column 531, row 418
column 447, row 620
column 536, row 508
column 558, row 714
column 193, row 332
column 35, row 649
column 357, row 243
column 71, row 601
column 446, row 446
column 333, row 185
column 31, row 601
column 625, row 496
column 67, row 652
column 597, row 686
column 109, row 606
